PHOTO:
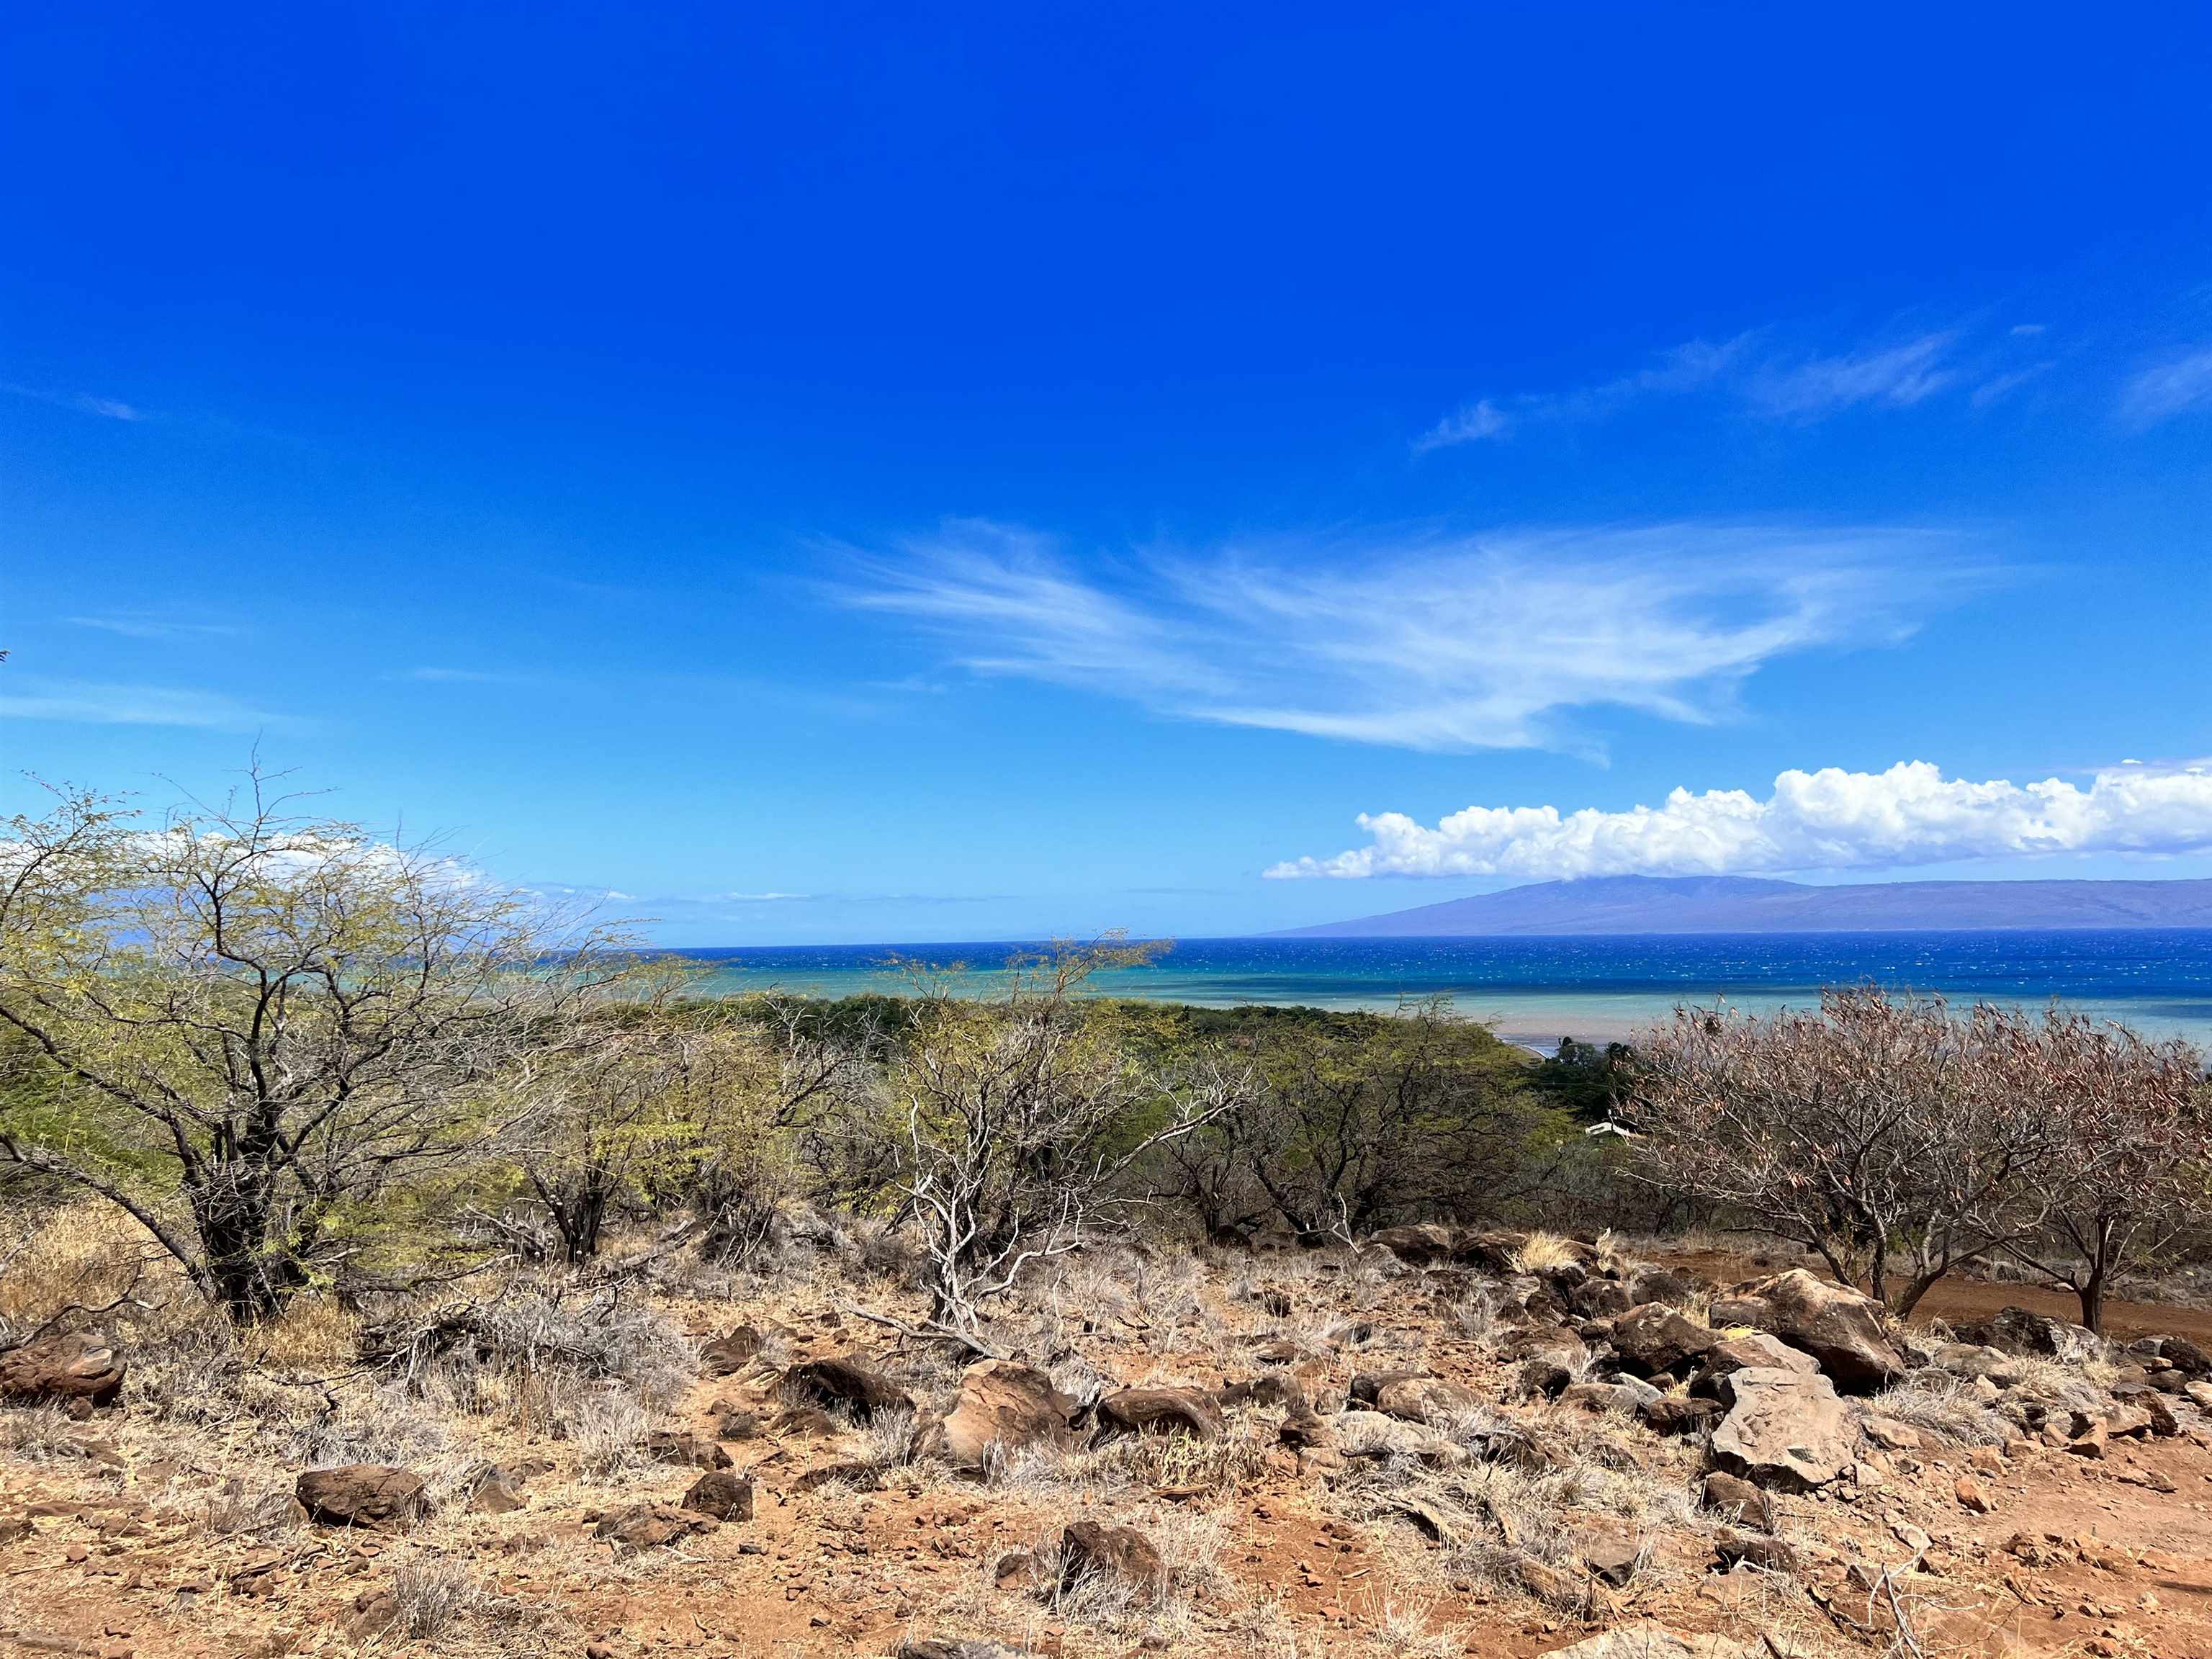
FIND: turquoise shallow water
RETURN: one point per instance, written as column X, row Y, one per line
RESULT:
column 1593, row 989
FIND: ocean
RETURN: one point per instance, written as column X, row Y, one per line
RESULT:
column 1537, row 990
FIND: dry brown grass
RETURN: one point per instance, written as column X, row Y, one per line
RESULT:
column 89, row 1252
column 314, row 1336
column 1542, row 1252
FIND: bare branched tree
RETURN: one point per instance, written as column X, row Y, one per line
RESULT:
column 1015, row 1123
column 1884, row 1131
column 2128, row 1163
column 250, row 1019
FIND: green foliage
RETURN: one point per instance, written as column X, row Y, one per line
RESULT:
column 1590, row 1080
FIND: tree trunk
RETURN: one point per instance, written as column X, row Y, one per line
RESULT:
column 2109, row 1246
column 234, row 1229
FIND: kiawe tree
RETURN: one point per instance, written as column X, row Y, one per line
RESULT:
column 246, row 1021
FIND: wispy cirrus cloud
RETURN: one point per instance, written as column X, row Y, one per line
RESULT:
column 84, row 402
column 2178, row 386
column 1479, row 419
column 1828, row 820
column 433, row 675
column 1755, row 373
column 146, row 625
column 1420, row 642
column 93, row 702
column 1897, row 375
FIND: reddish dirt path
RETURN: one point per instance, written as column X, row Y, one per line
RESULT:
column 1965, row 1300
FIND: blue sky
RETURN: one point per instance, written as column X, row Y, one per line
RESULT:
column 883, row 473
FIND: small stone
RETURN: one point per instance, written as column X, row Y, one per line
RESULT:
column 722, row 1494
column 1890, row 1435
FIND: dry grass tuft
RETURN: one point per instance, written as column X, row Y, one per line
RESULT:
column 607, row 1427
column 264, row 1511
column 1943, row 1408
column 38, row 1433
column 1404, row 1630
column 1474, row 1316
column 1490, row 1519
column 1542, row 1252
column 433, row 1592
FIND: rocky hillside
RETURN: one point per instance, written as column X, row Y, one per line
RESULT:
column 1442, row 1443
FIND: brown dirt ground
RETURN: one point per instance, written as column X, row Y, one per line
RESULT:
column 2073, row 1558
column 1959, row 1300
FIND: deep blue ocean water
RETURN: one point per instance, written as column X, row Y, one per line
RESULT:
column 1537, row 990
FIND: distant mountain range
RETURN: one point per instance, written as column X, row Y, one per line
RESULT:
column 1739, row 904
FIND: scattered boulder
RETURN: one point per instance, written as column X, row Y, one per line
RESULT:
column 2185, row 1356
column 1554, row 1343
column 1419, row 1245
column 1838, row 1326
column 1679, row 1413
column 1006, row 1404
column 722, row 1493
column 941, row 1647
column 1889, row 1434
column 849, row 1381
column 2024, row 1331
column 1733, row 1498
column 1160, row 1411
column 1786, row 1429
column 1611, row 1558
column 1493, row 1250
column 651, row 1526
column 361, row 1495
column 1276, row 1388
column 1627, row 1395
column 1752, row 1549
column 1738, row 1353
column 725, row 1356
column 1655, row 1339
column 495, row 1490
column 1972, row 1496
column 68, row 1366
column 685, row 1449
column 1974, row 1362
column 1094, row 1549
column 1425, row 1399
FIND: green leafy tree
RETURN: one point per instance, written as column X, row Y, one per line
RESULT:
column 251, row 1019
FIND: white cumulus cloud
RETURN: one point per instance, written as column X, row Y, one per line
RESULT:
column 1830, row 819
